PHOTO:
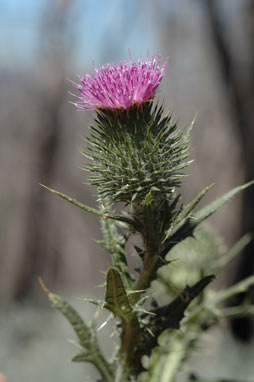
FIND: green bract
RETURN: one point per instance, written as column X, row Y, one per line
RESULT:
column 136, row 152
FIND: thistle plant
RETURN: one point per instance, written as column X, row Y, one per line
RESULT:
column 136, row 158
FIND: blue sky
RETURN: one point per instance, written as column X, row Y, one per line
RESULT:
column 18, row 22
column 103, row 30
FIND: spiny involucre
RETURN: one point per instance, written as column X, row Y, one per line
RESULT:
column 120, row 87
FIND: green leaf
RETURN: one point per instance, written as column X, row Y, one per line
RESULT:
column 86, row 335
column 240, row 287
column 91, row 210
column 169, row 316
column 75, row 202
column 148, row 198
column 173, row 313
column 224, row 260
column 207, row 211
column 187, row 226
column 187, row 210
column 117, row 300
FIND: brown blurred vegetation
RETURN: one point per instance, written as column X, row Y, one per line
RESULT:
column 209, row 72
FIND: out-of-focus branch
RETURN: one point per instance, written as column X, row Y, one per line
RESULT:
column 38, row 255
column 241, row 97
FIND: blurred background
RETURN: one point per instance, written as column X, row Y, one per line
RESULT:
column 210, row 72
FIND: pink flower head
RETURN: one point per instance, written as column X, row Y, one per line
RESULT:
column 120, row 87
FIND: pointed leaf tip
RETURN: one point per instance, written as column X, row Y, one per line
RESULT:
column 91, row 210
column 219, row 202
column 185, row 213
column 43, row 286
column 75, row 202
column 188, row 225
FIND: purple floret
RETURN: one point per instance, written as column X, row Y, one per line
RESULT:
column 120, row 87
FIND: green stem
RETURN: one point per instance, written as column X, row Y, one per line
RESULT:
column 173, row 361
column 168, row 363
column 145, row 277
column 129, row 340
column 151, row 242
column 200, row 379
column 102, row 366
column 130, row 334
column 236, row 311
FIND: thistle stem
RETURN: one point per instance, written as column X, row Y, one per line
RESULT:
column 151, row 240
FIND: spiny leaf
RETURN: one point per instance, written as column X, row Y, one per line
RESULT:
column 166, row 317
column 89, row 209
column 83, row 332
column 187, row 210
column 86, row 335
column 187, row 226
column 170, row 316
column 75, row 202
column 116, row 297
column 218, row 203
